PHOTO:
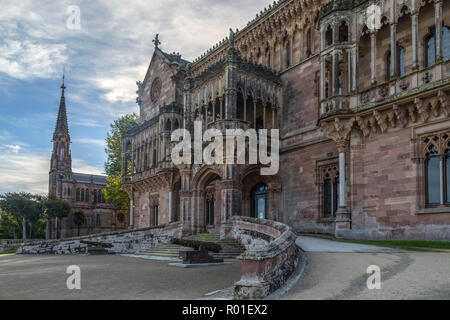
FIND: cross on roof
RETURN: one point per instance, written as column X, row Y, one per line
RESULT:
column 156, row 41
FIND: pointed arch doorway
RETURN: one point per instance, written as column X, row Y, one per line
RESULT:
column 258, row 201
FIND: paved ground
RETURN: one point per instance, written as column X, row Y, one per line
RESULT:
column 109, row 277
column 336, row 270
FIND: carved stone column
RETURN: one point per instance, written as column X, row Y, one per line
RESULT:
column 438, row 24
column 132, row 209
column 394, row 60
column 415, row 37
column 339, row 131
column 231, row 198
column 373, row 51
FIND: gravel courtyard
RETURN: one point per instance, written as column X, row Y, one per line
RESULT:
column 109, row 277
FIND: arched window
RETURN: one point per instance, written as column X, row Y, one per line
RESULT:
column 288, row 54
column 430, row 48
column 95, row 196
column 98, row 221
column 168, row 125
column 433, row 178
column 329, row 175
column 308, row 43
column 329, row 36
column 343, row 32
column 82, row 195
column 388, row 66
column 446, row 43
column 155, row 215
column 401, row 61
column 78, row 194
column 258, row 205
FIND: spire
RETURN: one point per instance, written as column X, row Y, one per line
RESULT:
column 61, row 122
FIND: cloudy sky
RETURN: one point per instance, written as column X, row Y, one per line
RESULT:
column 103, row 60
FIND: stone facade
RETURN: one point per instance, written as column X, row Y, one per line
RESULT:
column 357, row 155
column 84, row 192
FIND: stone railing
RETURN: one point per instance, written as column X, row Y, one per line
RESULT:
column 12, row 244
column 270, row 258
column 129, row 241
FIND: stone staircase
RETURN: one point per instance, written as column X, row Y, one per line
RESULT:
column 231, row 248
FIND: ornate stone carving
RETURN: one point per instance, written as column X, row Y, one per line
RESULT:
column 443, row 101
column 400, row 114
column 412, row 113
column 381, row 120
column 155, row 90
column 363, row 126
column 422, row 109
column 339, row 131
column 404, row 85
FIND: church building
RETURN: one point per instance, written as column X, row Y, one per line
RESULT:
column 84, row 192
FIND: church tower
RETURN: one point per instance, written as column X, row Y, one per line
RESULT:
column 61, row 161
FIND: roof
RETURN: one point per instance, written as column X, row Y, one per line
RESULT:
column 88, row 178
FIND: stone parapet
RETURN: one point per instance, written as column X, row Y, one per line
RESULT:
column 270, row 258
column 130, row 241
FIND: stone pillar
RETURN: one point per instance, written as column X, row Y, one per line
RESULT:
column 373, row 63
column 221, row 108
column 231, row 197
column 254, row 113
column 132, row 210
column 335, row 73
column 230, row 93
column 322, row 77
column 438, row 24
column 343, row 218
column 441, row 178
column 273, row 117
column 415, row 37
column 186, row 212
column 264, row 115
column 245, row 106
column 394, row 60
column 170, row 207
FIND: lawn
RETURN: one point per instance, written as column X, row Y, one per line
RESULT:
column 406, row 243
column 8, row 252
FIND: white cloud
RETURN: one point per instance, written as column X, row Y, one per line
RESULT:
column 96, row 142
column 24, row 172
column 80, row 166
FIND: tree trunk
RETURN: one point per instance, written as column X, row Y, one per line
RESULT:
column 56, row 229
column 31, row 229
column 47, row 225
column 24, row 229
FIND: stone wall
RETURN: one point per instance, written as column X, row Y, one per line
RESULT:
column 130, row 241
column 270, row 258
column 12, row 244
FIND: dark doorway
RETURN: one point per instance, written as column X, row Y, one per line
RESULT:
column 258, row 205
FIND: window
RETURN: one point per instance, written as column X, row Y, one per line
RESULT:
column 437, row 169
column 401, row 61
column 343, row 32
column 288, row 54
column 155, row 215
column 82, row 195
column 209, row 209
column 87, row 195
column 430, row 48
column 78, row 194
column 308, row 43
column 98, row 221
column 446, row 43
column 329, row 177
column 329, row 36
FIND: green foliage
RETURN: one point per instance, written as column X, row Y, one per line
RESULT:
column 113, row 148
column 406, row 243
column 22, row 207
column 56, row 208
column 9, row 226
column 8, row 252
column 78, row 219
column 115, row 195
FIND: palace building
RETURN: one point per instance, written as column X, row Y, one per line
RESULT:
column 359, row 91
column 84, row 192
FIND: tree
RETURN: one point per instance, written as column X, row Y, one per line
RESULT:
column 113, row 148
column 9, row 227
column 115, row 195
column 78, row 219
column 113, row 191
column 56, row 208
column 23, row 206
